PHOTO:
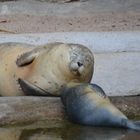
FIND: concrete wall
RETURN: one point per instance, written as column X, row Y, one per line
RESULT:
column 117, row 56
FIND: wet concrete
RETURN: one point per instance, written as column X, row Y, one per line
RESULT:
column 67, row 132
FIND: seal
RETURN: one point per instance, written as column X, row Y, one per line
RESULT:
column 42, row 70
column 87, row 104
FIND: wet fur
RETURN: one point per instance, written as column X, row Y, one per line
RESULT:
column 87, row 104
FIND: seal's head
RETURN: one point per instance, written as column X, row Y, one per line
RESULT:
column 53, row 65
column 81, row 62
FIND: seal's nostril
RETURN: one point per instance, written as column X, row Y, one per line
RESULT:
column 79, row 64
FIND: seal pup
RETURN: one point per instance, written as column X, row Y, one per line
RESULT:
column 42, row 70
column 88, row 104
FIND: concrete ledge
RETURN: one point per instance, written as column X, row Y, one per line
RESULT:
column 118, row 73
column 22, row 110
column 98, row 42
column 117, row 56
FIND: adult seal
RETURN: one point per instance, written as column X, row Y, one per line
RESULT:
column 43, row 70
column 88, row 104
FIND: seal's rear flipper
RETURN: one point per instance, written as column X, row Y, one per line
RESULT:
column 134, row 125
column 137, row 122
column 32, row 90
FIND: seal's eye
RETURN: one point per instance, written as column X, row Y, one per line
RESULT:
column 79, row 64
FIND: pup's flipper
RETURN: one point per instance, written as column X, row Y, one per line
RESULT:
column 26, row 58
column 134, row 125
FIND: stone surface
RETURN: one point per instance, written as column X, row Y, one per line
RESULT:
column 118, row 73
column 22, row 110
column 77, row 7
column 33, row 16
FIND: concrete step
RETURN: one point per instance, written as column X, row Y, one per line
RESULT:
column 34, row 16
column 61, row 7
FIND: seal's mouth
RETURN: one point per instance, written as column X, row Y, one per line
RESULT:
column 77, row 68
column 32, row 90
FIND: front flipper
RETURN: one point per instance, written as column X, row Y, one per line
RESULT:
column 26, row 58
column 32, row 90
column 99, row 90
column 29, row 56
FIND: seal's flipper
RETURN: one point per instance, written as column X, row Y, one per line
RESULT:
column 137, row 122
column 99, row 90
column 134, row 125
column 32, row 90
column 26, row 58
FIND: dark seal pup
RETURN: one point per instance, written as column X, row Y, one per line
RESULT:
column 42, row 70
column 87, row 104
